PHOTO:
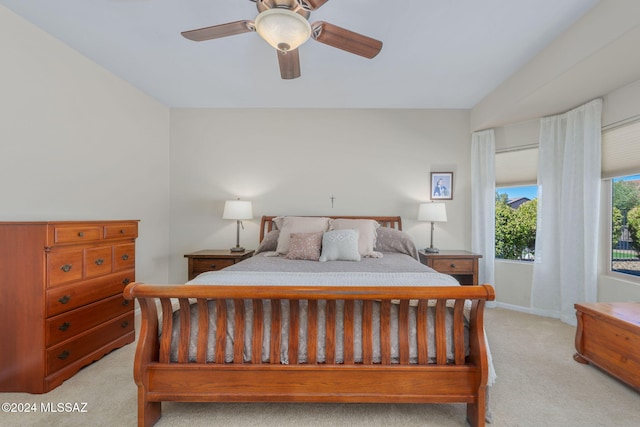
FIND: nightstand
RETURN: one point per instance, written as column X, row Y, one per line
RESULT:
column 213, row 259
column 463, row 265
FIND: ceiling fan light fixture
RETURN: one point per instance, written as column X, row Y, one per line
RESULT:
column 283, row 29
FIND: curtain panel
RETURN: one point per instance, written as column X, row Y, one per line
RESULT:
column 483, row 202
column 565, row 267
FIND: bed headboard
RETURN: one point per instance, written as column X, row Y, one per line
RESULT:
column 266, row 224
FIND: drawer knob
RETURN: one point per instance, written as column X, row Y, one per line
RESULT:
column 125, row 302
column 66, row 268
column 63, row 355
column 125, row 257
column 65, row 299
column 99, row 261
column 81, row 234
column 121, row 231
column 213, row 266
column 65, row 326
column 124, row 324
column 126, row 281
column 452, row 266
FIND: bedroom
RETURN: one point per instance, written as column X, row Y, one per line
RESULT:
column 81, row 143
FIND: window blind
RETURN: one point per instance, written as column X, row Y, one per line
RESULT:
column 517, row 167
column 621, row 150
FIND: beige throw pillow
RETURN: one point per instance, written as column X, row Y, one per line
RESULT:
column 297, row 224
column 367, row 229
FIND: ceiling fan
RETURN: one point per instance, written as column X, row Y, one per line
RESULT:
column 284, row 25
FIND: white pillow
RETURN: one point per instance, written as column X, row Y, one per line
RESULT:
column 297, row 224
column 340, row 245
column 367, row 231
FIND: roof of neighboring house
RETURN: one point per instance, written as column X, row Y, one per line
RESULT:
column 515, row 203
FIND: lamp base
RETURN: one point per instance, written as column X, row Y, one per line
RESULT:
column 237, row 249
column 432, row 250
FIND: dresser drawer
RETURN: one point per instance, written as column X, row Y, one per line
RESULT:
column 453, row 265
column 98, row 261
column 76, row 233
column 124, row 256
column 202, row 265
column 69, row 351
column 65, row 298
column 69, row 324
column 121, row 231
column 63, row 267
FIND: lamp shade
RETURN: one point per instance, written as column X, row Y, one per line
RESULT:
column 237, row 209
column 434, row 212
column 283, row 29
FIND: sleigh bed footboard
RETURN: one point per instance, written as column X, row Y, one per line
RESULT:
column 310, row 344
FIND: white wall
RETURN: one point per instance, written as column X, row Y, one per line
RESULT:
column 78, row 143
column 375, row 162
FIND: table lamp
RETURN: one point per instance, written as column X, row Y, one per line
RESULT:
column 433, row 212
column 238, row 210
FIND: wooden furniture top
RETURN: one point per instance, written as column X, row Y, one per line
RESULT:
column 451, row 254
column 625, row 312
column 266, row 223
column 217, row 253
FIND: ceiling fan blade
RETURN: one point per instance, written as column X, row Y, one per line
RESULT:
column 289, row 64
column 313, row 4
column 341, row 38
column 218, row 31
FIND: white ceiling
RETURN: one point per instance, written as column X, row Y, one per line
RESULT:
column 436, row 53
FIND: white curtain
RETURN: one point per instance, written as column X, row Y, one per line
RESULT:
column 483, row 202
column 565, row 268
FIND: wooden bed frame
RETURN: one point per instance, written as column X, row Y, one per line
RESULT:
column 463, row 380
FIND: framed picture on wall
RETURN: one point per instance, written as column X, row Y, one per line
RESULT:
column 441, row 185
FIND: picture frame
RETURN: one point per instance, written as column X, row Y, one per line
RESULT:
column 441, row 186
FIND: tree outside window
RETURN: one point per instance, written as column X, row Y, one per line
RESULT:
column 516, row 221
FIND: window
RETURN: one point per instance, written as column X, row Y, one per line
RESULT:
column 625, row 225
column 620, row 154
column 516, row 217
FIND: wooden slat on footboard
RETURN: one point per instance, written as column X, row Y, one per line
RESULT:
column 348, row 335
column 167, row 325
column 221, row 329
column 238, row 332
column 422, row 335
column 330, row 326
column 256, row 343
column 203, row 330
column 403, row 332
column 312, row 332
column 367, row 332
column 274, row 354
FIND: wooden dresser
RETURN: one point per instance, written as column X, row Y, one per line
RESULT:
column 61, row 304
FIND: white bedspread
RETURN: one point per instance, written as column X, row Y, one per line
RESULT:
column 334, row 278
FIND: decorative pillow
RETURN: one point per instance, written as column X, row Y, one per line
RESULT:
column 392, row 240
column 367, row 230
column 269, row 242
column 305, row 246
column 340, row 245
column 297, row 224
